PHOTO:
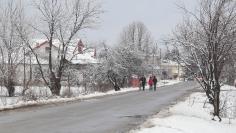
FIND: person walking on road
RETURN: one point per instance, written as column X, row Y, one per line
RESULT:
column 143, row 82
column 150, row 83
column 155, row 83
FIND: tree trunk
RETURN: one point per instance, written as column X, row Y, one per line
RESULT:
column 114, row 83
column 11, row 91
column 216, row 103
column 116, row 86
column 55, row 85
column 10, row 87
column 209, row 93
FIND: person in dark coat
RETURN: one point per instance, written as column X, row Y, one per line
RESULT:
column 143, row 82
column 155, row 83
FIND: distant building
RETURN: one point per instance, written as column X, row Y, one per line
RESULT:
column 171, row 69
column 77, row 55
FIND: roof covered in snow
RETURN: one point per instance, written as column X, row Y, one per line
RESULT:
column 76, row 53
column 171, row 63
column 85, row 58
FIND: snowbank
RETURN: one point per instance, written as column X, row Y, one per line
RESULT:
column 167, row 82
column 193, row 116
column 42, row 95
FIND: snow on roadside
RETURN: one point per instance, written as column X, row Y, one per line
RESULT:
column 43, row 93
column 167, row 82
column 193, row 116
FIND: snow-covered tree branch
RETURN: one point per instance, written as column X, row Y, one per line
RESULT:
column 207, row 39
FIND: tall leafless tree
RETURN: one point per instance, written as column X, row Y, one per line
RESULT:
column 136, row 36
column 11, row 46
column 208, row 37
column 61, row 20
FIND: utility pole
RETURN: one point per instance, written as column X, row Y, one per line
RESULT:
column 160, row 64
column 178, row 63
column 24, row 70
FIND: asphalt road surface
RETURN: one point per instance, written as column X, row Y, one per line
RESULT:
column 109, row 114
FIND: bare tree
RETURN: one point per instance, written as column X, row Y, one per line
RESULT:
column 136, row 36
column 208, row 38
column 108, row 71
column 11, row 46
column 136, row 42
column 61, row 20
column 116, row 66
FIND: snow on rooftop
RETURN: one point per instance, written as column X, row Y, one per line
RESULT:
column 36, row 42
column 85, row 58
column 73, row 55
column 171, row 63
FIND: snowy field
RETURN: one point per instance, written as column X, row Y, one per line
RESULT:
column 193, row 116
column 42, row 95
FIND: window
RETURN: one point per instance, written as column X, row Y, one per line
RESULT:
column 47, row 49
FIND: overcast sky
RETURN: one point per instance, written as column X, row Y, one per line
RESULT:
column 160, row 16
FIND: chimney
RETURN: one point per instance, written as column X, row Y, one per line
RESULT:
column 80, row 47
column 95, row 53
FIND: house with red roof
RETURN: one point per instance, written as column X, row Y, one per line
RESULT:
column 78, row 55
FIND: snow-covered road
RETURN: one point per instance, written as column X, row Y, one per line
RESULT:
column 110, row 114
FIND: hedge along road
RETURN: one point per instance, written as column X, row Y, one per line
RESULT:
column 109, row 114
